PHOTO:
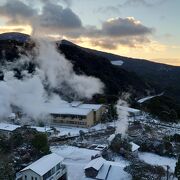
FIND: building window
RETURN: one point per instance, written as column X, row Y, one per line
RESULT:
column 58, row 166
column 47, row 175
column 32, row 178
column 52, row 171
column 20, row 178
column 25, row 177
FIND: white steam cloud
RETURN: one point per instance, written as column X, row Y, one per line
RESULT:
column 122, row 123
column 29, row 93
column 59, row 71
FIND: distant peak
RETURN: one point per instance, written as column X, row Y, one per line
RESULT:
column 14, row 36
column 66, row 42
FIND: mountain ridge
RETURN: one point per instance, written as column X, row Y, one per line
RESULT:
column 128, row 77
column 163, row 77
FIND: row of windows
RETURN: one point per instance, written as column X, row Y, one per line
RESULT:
column 53, row 170
column 32, row 178
column 73, row 122
column 69, row 116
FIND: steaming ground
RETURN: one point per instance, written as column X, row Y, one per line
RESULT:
column 122, row 122
column 52, row 71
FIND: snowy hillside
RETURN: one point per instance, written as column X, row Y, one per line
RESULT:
column 117, row 63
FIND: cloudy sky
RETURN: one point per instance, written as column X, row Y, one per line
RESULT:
column 135, row 28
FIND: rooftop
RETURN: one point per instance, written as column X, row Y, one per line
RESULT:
column 44, row 164
column 108, row 169
column 134, row 146
column 103, row 172
column 12, row 127
column 111, row 137
column 95, row 163
column 69, row 110
column 73, row 108
column 76, row 103
column 41, row 129
column 8, row 127
column 90, row 106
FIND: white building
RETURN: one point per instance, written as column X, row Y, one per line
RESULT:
column 49, row 167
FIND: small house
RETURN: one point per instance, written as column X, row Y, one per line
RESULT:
column 7, row 129
column 48, row 167
column 92, row 169
column 101, row 169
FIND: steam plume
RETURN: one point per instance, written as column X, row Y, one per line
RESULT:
column 122, row 123
column 29, row 93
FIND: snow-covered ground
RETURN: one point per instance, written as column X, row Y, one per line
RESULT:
column 148, row 98
column 155, row 159
column 120, row 159
column 74, row 131
column 167, row 128
column 72, row 153
column 77, row 158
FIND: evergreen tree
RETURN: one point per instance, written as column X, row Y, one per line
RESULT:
column 113, row 112
column 40, row 142
column 7, row 171
column 177, row 169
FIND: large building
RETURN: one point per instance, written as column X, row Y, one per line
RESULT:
column 77, row 114
column 48, row 167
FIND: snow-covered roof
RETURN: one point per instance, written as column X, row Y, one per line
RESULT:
column 128, row 109
column 8, row 127
column 41, row 129
column 111, row 137
column 73, row 108
column 76, row 103
column 12, row 115
column 134, row 146
column 115, row 173
column 12, row 127
column 95, row 163
column 90, row 106
column 44, row 164
column 103, row 172
column 70, row 111
column 108, row 170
